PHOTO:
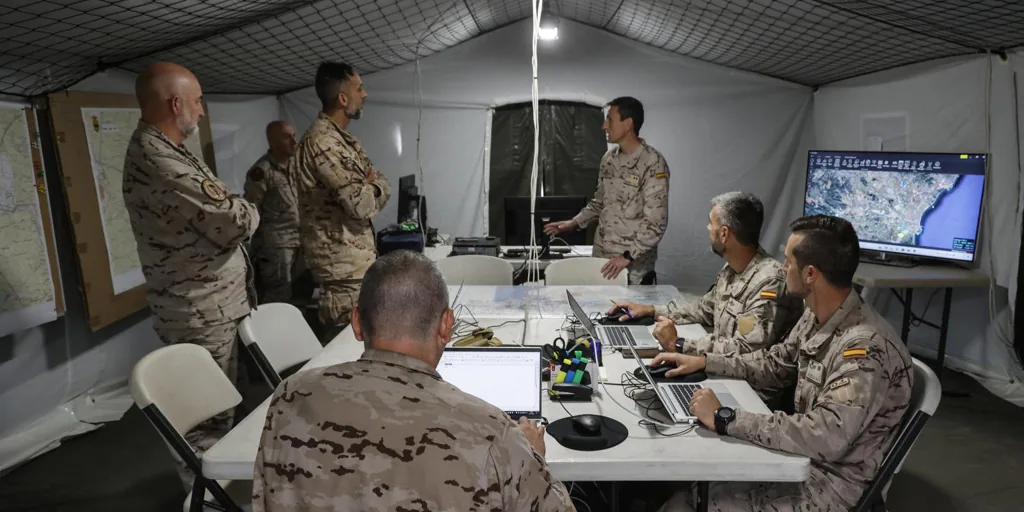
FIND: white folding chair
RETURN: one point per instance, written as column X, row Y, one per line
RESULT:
column 178, row 387
column 476, row 269
column 277, row 336
column 924, row 400
column 581, row 271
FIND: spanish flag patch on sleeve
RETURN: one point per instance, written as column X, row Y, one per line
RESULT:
column 768, row 294
column 855, row 352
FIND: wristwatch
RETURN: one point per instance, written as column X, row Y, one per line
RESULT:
column 680, row 343
column 723, row 417
column 626, row 255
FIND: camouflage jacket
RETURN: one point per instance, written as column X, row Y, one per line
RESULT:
column 386, row 433
column 190, row 232
column 271, row 187
column 746, row 311
column 631, row 204
column 336, row 202
column 853, row 380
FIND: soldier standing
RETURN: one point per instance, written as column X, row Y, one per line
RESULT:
column 270, row 186
column 339, row 192
column 386, row 432
column 190, row 233
column 631, row 201
column 853, row 380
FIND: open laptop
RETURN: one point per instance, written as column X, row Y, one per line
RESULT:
column 615, row 336
column 506, row 377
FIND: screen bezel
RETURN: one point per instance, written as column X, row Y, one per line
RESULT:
column 533, row 415
column 981, row 212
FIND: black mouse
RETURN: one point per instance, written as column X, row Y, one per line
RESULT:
column 660, row 370
column 658, row 373
column 587, row 425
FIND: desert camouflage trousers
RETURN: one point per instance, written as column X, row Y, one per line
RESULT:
column 337, row 298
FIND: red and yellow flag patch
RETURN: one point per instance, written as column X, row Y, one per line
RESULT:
column 768, row 294
column 855, row 352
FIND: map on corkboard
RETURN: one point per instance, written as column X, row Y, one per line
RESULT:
column 30, row 292
column 92, row 131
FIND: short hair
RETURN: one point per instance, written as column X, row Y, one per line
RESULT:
column 629, row 108
column 743, row 214
column 275, row 125
column 402, row 296
column 329, row 77
column 830, row 244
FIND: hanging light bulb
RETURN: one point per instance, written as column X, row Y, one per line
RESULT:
column 548, row 29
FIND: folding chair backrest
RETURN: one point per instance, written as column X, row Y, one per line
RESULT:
column 581, row 271
column 476, row 269
column 184, row 383
column 279, row 333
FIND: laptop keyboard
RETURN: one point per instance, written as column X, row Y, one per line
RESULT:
column 684, row 393
column 619, row 336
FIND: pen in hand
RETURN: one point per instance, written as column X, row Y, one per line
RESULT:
column 630, row 315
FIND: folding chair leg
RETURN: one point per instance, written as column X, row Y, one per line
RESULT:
column 198, row 493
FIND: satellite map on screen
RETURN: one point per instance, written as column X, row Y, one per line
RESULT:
column 919, row 200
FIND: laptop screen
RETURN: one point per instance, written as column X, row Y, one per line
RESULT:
column 581, row 315
column 505, row 377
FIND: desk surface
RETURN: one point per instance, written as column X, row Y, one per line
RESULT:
column 922, row 276
column 644, row 456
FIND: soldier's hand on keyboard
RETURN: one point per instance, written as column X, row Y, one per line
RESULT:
column 703, row 406
column 665, row 333
column 684, row 364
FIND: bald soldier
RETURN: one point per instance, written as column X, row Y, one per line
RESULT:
column 853, row 380
column 270, row 185
column 190, row 232
column 385, row 432
column 747, row 309
column 631, row 201
column 339, row 193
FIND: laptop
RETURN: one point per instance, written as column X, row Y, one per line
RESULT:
column 675, row 396
column 506, row 377
column 615, row 336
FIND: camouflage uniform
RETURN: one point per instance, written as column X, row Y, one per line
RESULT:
column 271, row 187
column 747, row 311
column 190, row 232
column 631, row 205
column 853, row 385
column 336, row 203
column 386, row 433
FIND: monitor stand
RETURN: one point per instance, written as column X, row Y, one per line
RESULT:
column 883, row 258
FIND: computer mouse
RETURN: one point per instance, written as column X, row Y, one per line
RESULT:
column 587, row 425
column 661, row 369
column 658, row 373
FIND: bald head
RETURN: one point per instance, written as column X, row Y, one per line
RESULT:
column 281, row 139
column 170, row 98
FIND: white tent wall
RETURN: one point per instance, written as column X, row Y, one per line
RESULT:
column 719, row 129
column 61, row 379
column 944, row 103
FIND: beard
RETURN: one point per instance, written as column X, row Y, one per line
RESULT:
column 718, row 248
column 356, row 114
column 186, row 127
column 800, row 292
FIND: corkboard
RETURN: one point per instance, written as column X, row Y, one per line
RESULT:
column 103, row 304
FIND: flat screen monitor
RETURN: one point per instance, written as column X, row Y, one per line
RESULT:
column 914, row 205
column 411, row 205
column 547, row 209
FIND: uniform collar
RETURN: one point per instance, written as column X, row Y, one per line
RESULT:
column 152, row 131
column 741, row 279
column 349, row 138
column 397, row 359
column 825, row 331
column 272, row 162
column 631, row 158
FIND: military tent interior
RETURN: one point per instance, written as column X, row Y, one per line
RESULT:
column 736, row 93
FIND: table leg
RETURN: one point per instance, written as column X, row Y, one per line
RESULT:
column 702, row 496
column 908, row 300
column 614, row 497
column 943, row 331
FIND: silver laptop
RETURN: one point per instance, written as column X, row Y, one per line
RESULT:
column 676, row 396
column 508, row 378
column 615, row 336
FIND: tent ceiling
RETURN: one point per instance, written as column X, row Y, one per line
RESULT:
column 268, row 46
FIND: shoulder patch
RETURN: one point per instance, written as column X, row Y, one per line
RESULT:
column 855, row 352
column 839, row 383
column 213, row 191
column 768, row 294
column 745, row 324
column 256, row 174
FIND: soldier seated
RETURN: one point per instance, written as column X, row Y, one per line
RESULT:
column 747, row 309
column 386, row 432
column 853, row 380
